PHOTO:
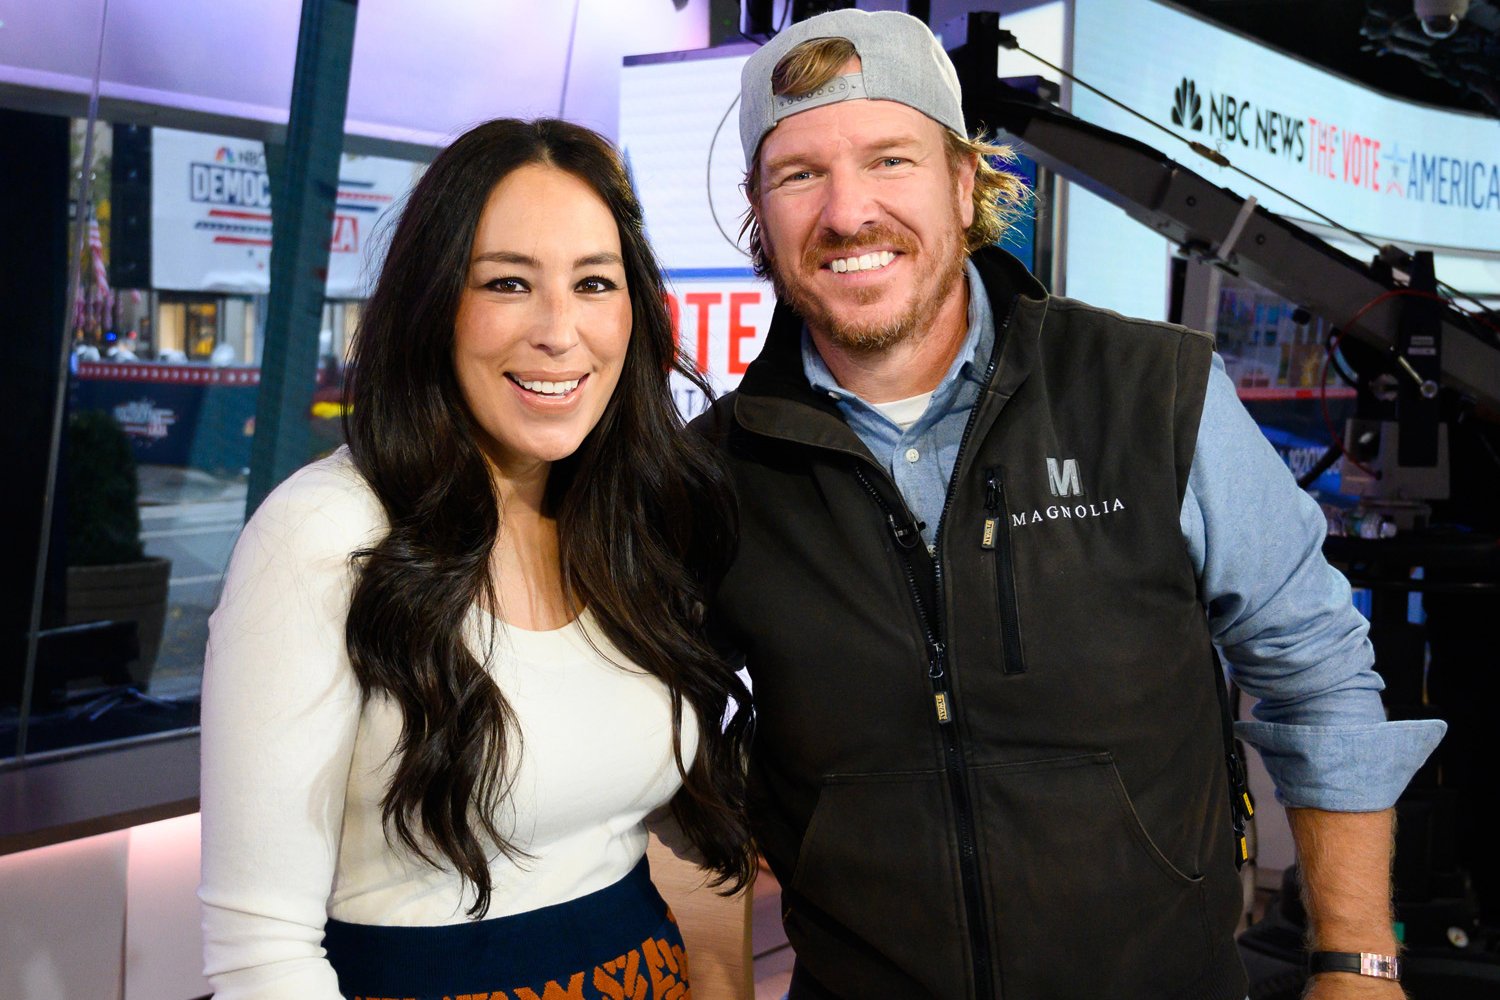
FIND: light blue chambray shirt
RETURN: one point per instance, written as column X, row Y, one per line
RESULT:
column 1279, row 613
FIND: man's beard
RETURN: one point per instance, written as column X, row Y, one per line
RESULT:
column 927, row 295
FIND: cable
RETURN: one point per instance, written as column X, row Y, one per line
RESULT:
column 59, row 399
column 786, row 12
column 562, row 101
column 1455, row 293
column 1492, row 334
column 1319, row 467
column 1212, row 155
column 1344, row 374
column 1471, row 415
column 708, row 166
column 1489, row 449
column 708, row 170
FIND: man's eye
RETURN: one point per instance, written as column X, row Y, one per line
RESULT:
column 794, row 177
column 893, row 161
column 596, row 284
column 509, row 285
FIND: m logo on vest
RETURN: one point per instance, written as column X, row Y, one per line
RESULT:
column 1063, row 478
column 1064, row 481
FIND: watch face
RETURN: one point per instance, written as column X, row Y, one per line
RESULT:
column 1380, row 966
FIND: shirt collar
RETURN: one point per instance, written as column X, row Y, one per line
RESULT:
column 978, row 342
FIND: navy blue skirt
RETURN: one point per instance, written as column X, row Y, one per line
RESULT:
column 620, row 943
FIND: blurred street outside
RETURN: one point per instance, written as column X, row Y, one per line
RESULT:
column 193, row 519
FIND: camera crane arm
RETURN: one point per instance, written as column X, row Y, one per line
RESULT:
column 1216, row 224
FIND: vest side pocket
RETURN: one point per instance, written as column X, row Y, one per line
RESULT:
column 871, row 844
column 1086, row 903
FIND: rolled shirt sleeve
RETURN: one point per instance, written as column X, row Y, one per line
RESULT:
column 1286, row 624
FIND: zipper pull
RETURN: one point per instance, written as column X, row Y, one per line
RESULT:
column 993, row 500
column 936, row 656
column 993, row 490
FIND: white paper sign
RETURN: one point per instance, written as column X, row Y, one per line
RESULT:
column 211, row 215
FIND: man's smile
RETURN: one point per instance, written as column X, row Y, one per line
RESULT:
column 864, row 262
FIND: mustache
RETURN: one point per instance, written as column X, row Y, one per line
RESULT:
column 878, row 237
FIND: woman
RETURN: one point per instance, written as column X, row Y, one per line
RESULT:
column 458, row 663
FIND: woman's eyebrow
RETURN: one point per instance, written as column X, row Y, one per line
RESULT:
column 505, row 257
column 512, row 257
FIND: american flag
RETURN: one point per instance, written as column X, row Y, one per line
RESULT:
column 95, row 304
column 96, row 249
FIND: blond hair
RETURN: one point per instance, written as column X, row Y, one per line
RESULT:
column 999, row 196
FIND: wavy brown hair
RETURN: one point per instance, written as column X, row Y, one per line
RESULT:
column 998, row 198
column 646, row 522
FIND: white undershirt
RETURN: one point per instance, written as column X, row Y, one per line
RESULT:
column 294, row 766
column 904, row 412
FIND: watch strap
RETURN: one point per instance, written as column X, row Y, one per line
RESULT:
column 1361, row 963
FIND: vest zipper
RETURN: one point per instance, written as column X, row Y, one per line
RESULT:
column 997, row 537
column 937, row 650
column 968, row 852
column 907, row 535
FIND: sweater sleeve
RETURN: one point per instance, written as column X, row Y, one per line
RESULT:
column 280, row 711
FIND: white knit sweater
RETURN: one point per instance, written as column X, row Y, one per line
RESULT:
column 294, row 765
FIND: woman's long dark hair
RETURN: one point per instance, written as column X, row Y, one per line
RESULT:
column 645, row 516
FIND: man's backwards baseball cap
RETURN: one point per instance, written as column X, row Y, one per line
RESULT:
column 900, row 60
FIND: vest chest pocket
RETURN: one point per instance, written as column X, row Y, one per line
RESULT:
column 995, row 539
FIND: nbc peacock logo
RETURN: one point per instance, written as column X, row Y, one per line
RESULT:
column 1187, row 106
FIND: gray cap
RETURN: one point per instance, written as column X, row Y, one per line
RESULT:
column 900, row 60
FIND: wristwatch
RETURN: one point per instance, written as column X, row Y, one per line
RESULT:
column 1361, row 963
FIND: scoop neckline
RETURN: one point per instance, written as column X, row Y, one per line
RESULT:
column 572, row 637
column 571, row 624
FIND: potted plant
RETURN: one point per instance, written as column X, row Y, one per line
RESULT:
column 110, row 578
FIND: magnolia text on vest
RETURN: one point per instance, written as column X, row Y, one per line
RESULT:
column 1065, row 512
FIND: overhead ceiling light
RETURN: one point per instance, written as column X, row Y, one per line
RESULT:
column 1440, row 18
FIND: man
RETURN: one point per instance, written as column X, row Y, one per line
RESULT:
column 989, row 542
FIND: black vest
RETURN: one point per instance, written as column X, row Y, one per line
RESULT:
column 997, row 772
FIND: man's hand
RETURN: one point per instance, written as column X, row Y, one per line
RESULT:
column 1345, row 861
